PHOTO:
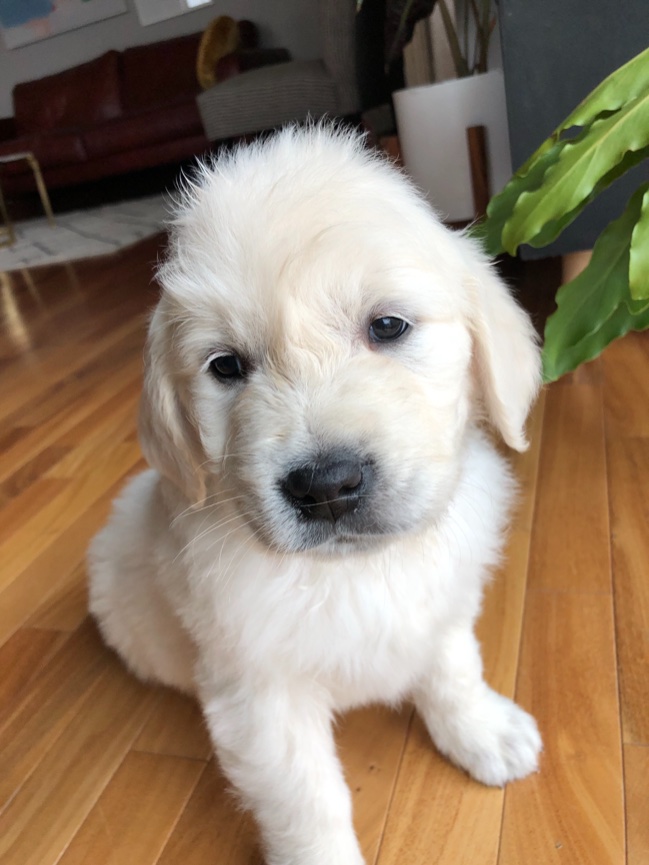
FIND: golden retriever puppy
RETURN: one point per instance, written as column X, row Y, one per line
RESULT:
column 323, row 507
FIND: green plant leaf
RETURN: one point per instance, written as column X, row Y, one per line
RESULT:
column 596, row 306
column 621, row 86
column 500, row 207
column 583, row 163
column 619, row 324
column 626, row 83
column 554, row 228
column 639, row 258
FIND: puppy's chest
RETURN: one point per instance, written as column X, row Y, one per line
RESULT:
column 373, row 639
column 364, row 634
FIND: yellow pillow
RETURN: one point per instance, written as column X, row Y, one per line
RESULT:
column 220, row 38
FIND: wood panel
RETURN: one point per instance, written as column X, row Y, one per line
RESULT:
column 47, row 810
column 68, row 503
column 626, row 371
column 438, row 814
column 636, row 769
column 32, row 723
column 136, row 813
column 212, row 828
column 175, row 728
column 626, row 363
column 628, row 467
column 21, row 659
column 48, row 572
column 500, row 625
column 572, row 516
column 65, row 608
column 573, row 808
column 370, row 744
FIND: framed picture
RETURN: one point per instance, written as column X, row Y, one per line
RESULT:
column 152, row 11
column 25, row 21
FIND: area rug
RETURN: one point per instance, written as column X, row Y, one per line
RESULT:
column 84, row 233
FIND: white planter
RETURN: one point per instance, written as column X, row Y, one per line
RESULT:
column 432, row 121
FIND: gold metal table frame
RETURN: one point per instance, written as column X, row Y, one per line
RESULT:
column 7, row 232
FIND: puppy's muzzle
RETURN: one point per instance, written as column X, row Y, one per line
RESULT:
column 329, row 487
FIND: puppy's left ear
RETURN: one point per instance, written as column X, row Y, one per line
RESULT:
column 506, row 348
column 168, row 437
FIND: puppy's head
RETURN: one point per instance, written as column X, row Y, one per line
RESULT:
column 322, row 343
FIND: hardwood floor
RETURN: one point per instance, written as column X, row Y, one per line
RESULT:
column 97, row 768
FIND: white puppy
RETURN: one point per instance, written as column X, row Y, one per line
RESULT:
column 323, row 508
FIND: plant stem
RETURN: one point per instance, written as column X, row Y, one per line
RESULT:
column 461, row 67
column 482, row 34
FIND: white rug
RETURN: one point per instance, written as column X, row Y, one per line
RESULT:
column 84, row 233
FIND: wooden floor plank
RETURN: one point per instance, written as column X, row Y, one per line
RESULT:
column 95, row 434
column 628, row 468
column 21, row 659
column 64, row 361
column 499, row 627
column 33, row 536
column 626, row 364
column 438, row 813
column 49, row 572
column 572, row 811
column 175, row 728
column 39, row 435
column 573, row 469
column 370, row 744
column 25, row 474
column 136, row 813
column 212, row 828
column 636, row 769
column 626, row 368
column 65, row 608
column 26, row 507
column 31, row 723
column 41, row 819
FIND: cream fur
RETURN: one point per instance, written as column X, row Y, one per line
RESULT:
column 208, row 579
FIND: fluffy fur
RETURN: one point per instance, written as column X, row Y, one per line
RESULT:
column 215, row 577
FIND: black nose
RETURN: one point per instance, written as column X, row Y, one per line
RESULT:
column 328, row 488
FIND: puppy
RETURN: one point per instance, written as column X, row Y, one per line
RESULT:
column 323, row 507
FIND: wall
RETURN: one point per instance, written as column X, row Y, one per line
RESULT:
column 554, row 54
column 291, row 24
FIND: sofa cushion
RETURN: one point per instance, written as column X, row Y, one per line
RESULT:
column 143, row 128
column 59, row 148
column 155, row 74
column 52, row 148
column 80, row 96
column 267, row 97
column 20, row 144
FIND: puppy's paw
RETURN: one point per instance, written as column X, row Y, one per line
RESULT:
column 498, row 743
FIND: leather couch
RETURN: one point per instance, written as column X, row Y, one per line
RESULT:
column 121, row 112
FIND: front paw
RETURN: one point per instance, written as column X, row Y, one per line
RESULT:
column 495, row 743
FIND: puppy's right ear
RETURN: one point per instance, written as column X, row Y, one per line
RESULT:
column 168, row 435
column 508, row 360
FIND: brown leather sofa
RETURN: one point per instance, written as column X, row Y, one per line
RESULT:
column 122, row 112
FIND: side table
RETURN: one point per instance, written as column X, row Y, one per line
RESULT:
column 7, row 233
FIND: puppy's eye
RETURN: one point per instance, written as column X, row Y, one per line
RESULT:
column 228, row 367
column 388, row 328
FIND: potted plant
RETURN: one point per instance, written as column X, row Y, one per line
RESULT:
column 611, row 296
column 432, row 119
